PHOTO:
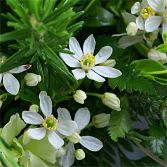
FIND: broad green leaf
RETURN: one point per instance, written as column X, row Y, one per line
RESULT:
column 12, row 128
column 162, row 48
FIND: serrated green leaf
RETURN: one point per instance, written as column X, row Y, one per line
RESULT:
column 119, row 124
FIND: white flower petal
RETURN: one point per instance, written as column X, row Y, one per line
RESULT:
column 32, row 117
column 164, row 27
column 91, row 143
column 82, row 117
column 157, row 5
column 1, row 75
column 94, row 76
column 20, row 69
column 70, row 60
column 79, row 74
column 107, row 71
column 103, row 54
column 136, row 8
column 45, row 103
column 11, row 84
column 89, row 45
column 37, row 133
column 55, row 140
column 68, row 159
column 63, row 114
column 75, row 47
column 67, row 128
column 152, row 23
column 140, row 23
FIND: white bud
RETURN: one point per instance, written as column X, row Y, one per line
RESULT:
column 2, row 59
column 34, row 108
column 80, row 96
column 132, row 29
column 111, row 100
column 61, row 152
column 101, row 120
column 26, row 138
column 74, row 138
column 110, row 63
column 1, row 102
column 32, row 79
column 136, row 8
column 157, row 56
column 79, row 154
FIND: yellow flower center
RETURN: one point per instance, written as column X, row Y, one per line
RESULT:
column 147, row 12
column 87, row 61
column 50, row 123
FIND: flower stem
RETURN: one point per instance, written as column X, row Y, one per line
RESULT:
column 156, row 72
column 94, row 94
column 89, row 5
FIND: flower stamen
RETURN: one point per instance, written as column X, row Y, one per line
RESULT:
column 50, row 123
column 147, row 12
column 87, row 61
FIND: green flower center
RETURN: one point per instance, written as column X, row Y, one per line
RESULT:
column 147, row 12
column 50, row 123
column 87, row 61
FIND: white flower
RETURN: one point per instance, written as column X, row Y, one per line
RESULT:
column 82, row 118
column 152, row 13
column 157, row 56
column 132, row 29
column 80, row 96
column 32, row 79
column 111, row 100
column 85, row 62
column 153, row 22
column 10, row 83
column 49, row 125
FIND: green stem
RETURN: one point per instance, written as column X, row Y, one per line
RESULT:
column 151, row 155
column 156, row 72
column 94, row 94
column 89, row 5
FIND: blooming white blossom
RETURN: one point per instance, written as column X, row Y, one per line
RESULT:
column 157, row 56
column 152, row 14
column 10, row 83
column 49, row 125
column 80, row 96
column 86, row 63
column 82, row 118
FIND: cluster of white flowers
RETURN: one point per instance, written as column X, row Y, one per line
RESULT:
column 151, row 15
column 61, row 132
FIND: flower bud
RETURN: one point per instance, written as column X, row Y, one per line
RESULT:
column 101, row 120
column 79, row 154
column 74, row 138
column 157, row 56
column 111, row 100
column 132, row 29
column 26, row 138
column 2, row 59
column 1, row 102
column 136, row 8
column 80, row 96
column 34, row 108
column 61, row 152
column 110, row 63
column 32, row 79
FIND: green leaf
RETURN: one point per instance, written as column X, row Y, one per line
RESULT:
column 14, row 35
column 119, row 124
column 12, row 128
column 19, row 58
column 162, row 48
